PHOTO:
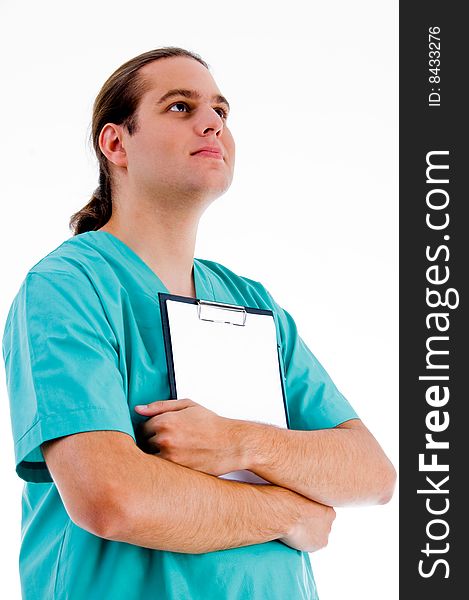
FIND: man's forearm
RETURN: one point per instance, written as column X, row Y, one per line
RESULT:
column 167, row 506
column 337, row 467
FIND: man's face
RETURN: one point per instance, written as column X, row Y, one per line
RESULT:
column 160, row 154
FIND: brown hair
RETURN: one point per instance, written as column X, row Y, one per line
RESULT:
column 117, row 103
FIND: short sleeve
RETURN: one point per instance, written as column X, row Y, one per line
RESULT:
column 313, row 400
column 62, row 367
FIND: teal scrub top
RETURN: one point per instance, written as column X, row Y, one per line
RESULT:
column 82, row 346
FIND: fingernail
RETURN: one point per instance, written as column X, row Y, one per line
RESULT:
column 141, row 406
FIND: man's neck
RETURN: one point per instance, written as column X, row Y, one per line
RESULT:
column 166, row 244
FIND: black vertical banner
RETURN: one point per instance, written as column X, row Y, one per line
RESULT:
column 434, row 361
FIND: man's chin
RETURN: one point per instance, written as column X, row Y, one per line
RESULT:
column 209, row 189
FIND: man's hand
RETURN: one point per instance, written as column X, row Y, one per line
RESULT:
column 311, row 531
column 191, row 435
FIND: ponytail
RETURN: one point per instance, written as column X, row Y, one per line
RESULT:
column 98, row 211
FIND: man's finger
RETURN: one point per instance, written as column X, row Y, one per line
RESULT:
column 148, row 428
column 161, row 406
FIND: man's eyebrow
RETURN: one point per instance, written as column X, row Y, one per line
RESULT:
column 193, row 94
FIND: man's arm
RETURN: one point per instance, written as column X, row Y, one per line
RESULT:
column 116, row 491
column 338, row 467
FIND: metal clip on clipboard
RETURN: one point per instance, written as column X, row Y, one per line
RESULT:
column 212, row 309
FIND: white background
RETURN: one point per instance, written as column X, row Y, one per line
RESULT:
column 312, row 211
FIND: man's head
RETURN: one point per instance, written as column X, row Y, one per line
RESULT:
column 145, row 133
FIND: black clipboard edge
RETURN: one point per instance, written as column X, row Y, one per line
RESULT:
column 163, row 297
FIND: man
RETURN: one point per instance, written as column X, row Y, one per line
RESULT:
column 87, row 381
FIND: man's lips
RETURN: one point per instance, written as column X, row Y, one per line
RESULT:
column 210, row 151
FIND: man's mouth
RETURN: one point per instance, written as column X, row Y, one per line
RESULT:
column 209, row 151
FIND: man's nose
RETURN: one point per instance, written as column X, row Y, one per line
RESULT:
column 209, row 121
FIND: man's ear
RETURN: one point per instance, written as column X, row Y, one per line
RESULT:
column 110, row 142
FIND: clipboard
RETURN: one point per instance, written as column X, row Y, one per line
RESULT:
column 226, row 358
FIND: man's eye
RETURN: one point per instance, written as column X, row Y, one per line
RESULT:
column 222, row 112
column 178, row 104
